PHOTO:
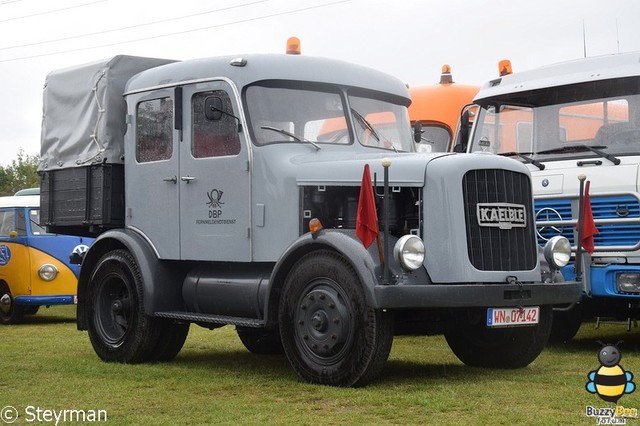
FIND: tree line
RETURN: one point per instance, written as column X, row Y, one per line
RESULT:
column 20, row 174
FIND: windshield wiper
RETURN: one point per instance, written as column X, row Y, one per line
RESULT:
column 365, row 124
column 291, row 135
column 581, row 148
column 525, row 157
column 363, row 121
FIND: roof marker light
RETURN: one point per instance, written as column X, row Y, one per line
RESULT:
column 504, row 67
column 293, row 46
column 446, row 77
column 238, row 62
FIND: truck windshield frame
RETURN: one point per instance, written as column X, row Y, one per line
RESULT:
column 562, row 122
column 303, row 112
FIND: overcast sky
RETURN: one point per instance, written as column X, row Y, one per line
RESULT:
column 410, row 39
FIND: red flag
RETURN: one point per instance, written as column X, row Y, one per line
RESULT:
column 588, row 224
column 367, row 218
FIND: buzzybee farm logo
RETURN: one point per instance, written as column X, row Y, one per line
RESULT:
column 610, row 382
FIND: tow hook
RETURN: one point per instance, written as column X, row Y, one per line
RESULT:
column 514, row 280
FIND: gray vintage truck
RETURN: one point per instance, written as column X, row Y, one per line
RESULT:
column 226, row 191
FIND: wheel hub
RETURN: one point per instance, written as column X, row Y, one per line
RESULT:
column 5, row 303
column 323, row 322
column 319, row 321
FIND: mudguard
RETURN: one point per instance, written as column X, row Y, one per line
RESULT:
column 162, row 284
column 366, row 263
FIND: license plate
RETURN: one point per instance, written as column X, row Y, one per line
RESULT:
column 509, row 317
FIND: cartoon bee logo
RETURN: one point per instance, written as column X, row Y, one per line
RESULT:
column 214, row 199
column 610, row 381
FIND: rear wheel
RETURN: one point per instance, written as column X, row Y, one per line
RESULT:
column 260, row 341
column 31, row 310
column 119, row 329
column 329, row 332
column 478, row 346
column 170, row 341
column 10, row 313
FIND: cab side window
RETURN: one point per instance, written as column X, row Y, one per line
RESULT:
column 214, row 128
column 154, row 130
column 7, row 223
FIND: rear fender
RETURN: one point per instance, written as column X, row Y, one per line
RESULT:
column 162, row 283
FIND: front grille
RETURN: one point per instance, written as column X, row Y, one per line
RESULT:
column 494, row 248
column 607, row 210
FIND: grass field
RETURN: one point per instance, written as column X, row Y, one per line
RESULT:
column 48, row 365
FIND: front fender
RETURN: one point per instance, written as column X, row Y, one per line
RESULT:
column 366, row 264
column 162, row 285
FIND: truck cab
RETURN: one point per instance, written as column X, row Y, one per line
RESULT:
column 437, row 108
column 580, row 117
column 228, row 202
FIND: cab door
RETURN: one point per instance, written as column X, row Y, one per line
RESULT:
column 152, row 157
column 214, row 176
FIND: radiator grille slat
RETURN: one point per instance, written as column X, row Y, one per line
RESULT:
column 603, row 207
column 493, row 248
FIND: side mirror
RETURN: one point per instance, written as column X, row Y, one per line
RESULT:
column 213, row 108
column 462, row 137
column 417, row 131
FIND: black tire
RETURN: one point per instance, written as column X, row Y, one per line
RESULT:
column 10, row 313
column 261, row 341
column 31, row 310
column 172, row 337
column 119, row 329
column 515, row 347
column 329, row 333
column 566, row 324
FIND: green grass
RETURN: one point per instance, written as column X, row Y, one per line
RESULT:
column 47, row 363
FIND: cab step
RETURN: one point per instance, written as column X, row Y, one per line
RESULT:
column 212, row 319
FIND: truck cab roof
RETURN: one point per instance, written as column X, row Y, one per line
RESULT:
column 577, row 71
column 247, row 69
column 20, row 201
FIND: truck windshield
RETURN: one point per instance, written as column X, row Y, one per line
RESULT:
column 321, row 114
column 601, row 118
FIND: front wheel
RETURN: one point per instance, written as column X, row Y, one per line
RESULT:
column 119, row 329
column 478, row 346
column 329, row 333
column 10, row 313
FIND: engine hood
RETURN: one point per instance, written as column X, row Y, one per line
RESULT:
column 407, row 169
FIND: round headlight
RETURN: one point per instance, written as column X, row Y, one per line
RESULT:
column 409, row 252
column 48, row 272
column 557, row 251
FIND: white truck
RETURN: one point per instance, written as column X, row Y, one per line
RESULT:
column 226, row 191
column 580, row 117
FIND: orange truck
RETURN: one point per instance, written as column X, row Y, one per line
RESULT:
column 438, row 108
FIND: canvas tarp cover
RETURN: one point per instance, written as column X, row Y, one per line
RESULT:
column 84, row 112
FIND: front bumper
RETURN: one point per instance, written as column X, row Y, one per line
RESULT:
column 475, row 295
column 45, row 300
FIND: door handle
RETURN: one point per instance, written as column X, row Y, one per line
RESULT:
column 187, row 178
column 173, row 179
